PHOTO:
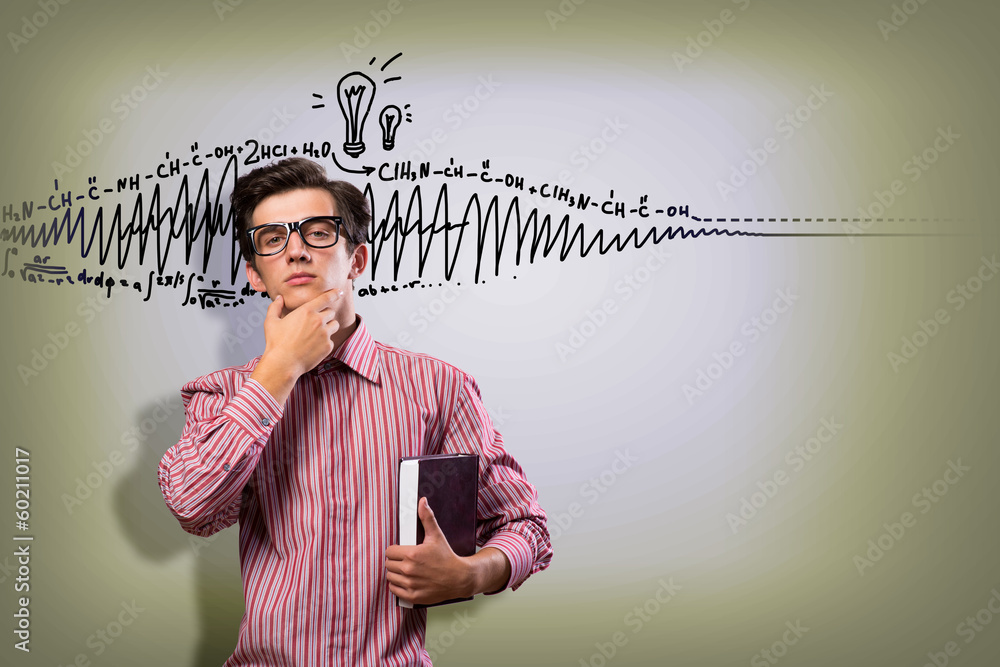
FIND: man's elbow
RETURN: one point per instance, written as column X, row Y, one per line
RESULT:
column 193, row 516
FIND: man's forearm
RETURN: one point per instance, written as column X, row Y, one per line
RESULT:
column 491, row 570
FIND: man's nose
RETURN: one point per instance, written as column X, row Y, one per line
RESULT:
column 296, row 248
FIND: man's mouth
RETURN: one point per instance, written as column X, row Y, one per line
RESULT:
column 300, row 278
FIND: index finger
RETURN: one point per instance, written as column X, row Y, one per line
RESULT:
column 326, row 299
column 397, row 552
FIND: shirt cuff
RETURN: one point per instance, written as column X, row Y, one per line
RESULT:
column 519, row 553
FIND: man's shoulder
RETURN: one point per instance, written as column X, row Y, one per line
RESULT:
column 414, row 364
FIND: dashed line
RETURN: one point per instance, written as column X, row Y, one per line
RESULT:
column 823, row 220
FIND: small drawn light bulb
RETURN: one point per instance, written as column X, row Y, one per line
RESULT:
column 389, row 119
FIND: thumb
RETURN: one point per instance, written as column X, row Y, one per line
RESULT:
column 432, row 531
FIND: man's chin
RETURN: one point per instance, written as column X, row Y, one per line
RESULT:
column 297, row 295
column 291, row 303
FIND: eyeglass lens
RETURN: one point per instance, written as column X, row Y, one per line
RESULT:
column 317, row 233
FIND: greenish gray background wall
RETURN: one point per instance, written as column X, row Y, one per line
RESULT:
column 775, row 498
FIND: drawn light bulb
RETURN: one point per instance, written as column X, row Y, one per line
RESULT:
column 389, row 119
column 355, row 93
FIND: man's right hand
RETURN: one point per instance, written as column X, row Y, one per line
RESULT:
column 296, row 342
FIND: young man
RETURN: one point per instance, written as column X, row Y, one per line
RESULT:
column 301, row 447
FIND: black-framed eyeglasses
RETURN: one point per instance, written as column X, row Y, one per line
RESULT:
column 317, row 232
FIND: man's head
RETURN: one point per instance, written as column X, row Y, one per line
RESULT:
column 297, row 173
column 290, row 191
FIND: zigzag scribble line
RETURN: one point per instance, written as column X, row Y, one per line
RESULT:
column 204, row 218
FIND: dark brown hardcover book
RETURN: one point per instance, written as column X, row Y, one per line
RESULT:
column 450, row 482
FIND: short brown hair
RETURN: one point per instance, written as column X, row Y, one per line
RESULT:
column 297, row 173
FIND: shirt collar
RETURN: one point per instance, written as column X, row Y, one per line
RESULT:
column 358, row 352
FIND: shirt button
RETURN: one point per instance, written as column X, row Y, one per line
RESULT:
column 327, row 366
column 265, row 421
column 225, row 466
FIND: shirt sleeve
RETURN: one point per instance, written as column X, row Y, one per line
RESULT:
column 203, row 475
column 509, row 517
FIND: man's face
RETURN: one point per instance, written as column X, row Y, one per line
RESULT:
column 300, row 273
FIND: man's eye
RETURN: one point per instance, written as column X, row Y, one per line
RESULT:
column 272, row 237
column 320, row 232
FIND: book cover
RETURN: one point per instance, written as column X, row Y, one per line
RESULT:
column 450, row 482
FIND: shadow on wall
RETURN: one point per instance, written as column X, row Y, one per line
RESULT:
column 157, row 536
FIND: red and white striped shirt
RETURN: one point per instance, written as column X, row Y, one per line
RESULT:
column 313, row 486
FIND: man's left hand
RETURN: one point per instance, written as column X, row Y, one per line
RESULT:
column 430, row 572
